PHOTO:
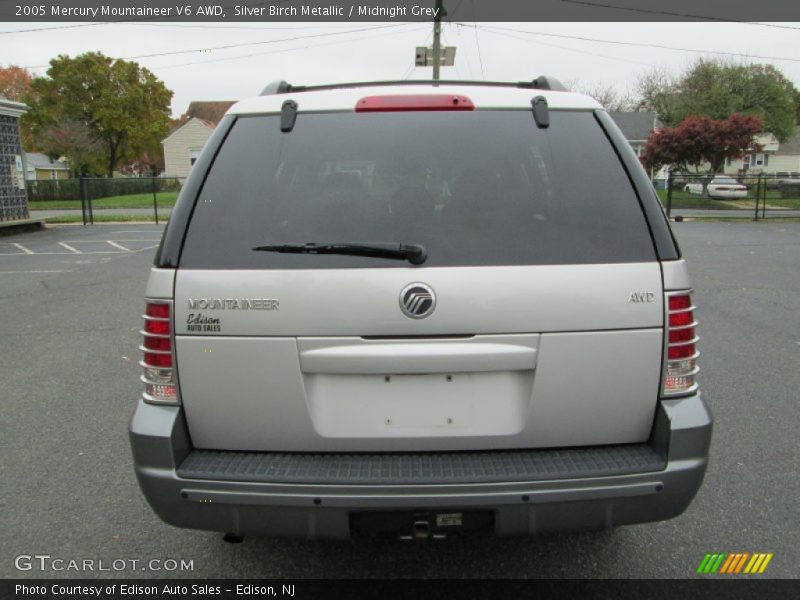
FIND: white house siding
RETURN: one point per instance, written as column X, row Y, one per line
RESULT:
column 788, row 162
column 775, row 156
column 178, row 147
column 777, row 163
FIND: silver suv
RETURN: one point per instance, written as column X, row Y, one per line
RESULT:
column 417, row 309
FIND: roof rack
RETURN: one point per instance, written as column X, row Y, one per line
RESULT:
column 540, row 83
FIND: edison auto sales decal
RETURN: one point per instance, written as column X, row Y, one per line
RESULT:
column 199, row 323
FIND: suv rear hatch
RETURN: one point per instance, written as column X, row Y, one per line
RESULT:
column 547, row 328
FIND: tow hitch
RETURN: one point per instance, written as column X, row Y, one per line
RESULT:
column 422, row 531
column 417, row 525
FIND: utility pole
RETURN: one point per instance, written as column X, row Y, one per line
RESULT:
column 437, row 57
column 437, row 43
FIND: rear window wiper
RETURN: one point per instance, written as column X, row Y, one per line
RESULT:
column 413, row 253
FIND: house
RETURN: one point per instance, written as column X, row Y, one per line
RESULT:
column 40, row 167
column 775, row 157
column 13, row 196
column 185, row 141
column 636, row 127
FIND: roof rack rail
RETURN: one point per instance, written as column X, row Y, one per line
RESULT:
column 542, row 82
column 545, row 82
column 276, row 87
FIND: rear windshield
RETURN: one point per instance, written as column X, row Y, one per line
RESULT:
column 474, row 188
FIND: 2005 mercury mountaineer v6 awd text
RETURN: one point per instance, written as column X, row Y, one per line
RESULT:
column 415, row 309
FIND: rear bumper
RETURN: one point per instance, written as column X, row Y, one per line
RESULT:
column 233, row 495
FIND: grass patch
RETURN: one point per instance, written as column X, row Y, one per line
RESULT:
column 783, row 203
column 681, row 199
column 106, row 219
column 164, row 199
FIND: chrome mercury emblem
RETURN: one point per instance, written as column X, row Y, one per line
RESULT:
column 417, row 300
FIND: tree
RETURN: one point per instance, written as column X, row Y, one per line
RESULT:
column 700, row 145
column 655, row 90
column 74, row 140
column 123, row 106
column 606, row 94
column 15, row 84
column 718, row 89
column 797, row 105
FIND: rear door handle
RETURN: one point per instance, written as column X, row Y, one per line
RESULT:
column 448, row 357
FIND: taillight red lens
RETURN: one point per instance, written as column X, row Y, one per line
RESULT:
column 157, row 343
column 158, row 311
column 683, row 351
column 681, row 319
column 413, row 102
column 680, row 302
column 153, row 359
column 157, row 327
column 677, row 336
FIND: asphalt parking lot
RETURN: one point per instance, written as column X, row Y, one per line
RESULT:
column 70, row 306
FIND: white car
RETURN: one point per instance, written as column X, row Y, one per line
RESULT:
column 719, row 187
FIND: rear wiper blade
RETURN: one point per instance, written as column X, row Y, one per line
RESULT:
column 413, row 253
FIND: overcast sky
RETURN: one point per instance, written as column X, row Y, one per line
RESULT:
column 369, row 53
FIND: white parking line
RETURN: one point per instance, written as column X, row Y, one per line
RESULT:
column 71, row 246
column 21, row 247
column 61, row 253
column 68, row 247
column 116, row 245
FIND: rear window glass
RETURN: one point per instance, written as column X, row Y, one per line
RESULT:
column 474, row 188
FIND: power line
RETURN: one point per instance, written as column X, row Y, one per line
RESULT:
column 174, row 26
column 576, row 50
column 637, row 44
column 230, row 46
column 55, row 27
column 466, row 55
column 280, row 51
column 676, row 14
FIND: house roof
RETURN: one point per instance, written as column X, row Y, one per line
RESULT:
column 185, row 121
column 37, row 160
column 211, row 111
column 636, row 126
column 208, row 112
column 792, row 145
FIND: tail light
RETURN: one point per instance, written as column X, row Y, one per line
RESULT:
column 680, row 355
column 414, row 102
column 159, row 376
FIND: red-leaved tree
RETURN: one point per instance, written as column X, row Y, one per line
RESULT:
column 700, row 145
column 15, row 83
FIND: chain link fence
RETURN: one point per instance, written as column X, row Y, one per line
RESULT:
column 755, row 196
column 128, row 196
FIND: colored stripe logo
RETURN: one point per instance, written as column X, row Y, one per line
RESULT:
column 734, row 563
